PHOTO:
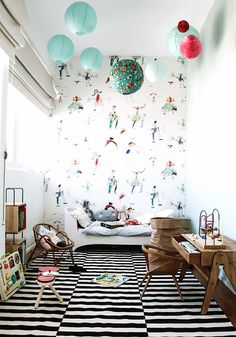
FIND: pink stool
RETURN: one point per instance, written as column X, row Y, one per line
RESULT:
column 46, row 281
column 49, row 269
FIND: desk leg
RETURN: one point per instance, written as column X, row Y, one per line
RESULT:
column 184, row 268
column 211, row 284
column 229, row 270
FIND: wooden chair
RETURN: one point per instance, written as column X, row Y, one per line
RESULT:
column 161, row 261
column 46, row 243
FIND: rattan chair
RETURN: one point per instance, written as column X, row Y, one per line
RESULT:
column 163, row 262
column 44, row 243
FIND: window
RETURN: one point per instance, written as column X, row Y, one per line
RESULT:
column 27, row 133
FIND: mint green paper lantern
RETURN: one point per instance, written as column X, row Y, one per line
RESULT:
column 155, row 71
column 80, row 18
column 127, row 76
column 175, row 37
column 60, row 48
column 91, row 59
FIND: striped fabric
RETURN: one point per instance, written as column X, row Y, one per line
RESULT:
column 95, row 310
column 91, row 310
column 167, row 316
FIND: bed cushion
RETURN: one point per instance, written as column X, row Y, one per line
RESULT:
column 96, row 229
column 109, row 214
column 80, row 215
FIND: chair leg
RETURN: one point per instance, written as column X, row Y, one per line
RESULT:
column 60, row 299
column 144, row 278
column 177, row 286
column 146, row 284
column 72, row 257
column 31, row 255
column 39, row 297
column 54, row 258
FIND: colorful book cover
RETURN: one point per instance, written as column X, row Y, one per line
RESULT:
column 110, row 279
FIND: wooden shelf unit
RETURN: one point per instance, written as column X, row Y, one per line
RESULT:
column 15, row 220
column 15, row 224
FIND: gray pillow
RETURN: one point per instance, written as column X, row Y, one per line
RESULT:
column 109, row 214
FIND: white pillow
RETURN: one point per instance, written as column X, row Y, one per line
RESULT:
column 82, row 217
column 52, row 234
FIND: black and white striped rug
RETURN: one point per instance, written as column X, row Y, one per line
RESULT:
column 92, row 310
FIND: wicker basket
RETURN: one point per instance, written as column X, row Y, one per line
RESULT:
column 164, row 228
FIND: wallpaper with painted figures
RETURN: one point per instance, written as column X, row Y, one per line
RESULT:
column 124, row 149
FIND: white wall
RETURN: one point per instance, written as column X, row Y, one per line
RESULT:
column 3, row 105
column 33, row 185
column 83, row 164
column 211, row 181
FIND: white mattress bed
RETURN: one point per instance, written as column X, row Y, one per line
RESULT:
column 95, row 234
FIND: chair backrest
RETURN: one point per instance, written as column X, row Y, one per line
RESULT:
column 41, row 239
column 49, row 238
column 162, row 261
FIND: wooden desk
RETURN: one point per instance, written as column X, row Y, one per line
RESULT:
column 206, row 262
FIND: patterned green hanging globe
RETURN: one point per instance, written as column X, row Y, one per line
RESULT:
column 127, row 76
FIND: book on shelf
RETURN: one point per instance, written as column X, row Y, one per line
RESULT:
column 110, row 279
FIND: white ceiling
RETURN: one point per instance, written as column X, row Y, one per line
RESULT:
column 124, row 27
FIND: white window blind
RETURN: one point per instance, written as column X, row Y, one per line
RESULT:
column 27, row 72
column 10, row 32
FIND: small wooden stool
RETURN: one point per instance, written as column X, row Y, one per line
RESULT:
column 46, row 281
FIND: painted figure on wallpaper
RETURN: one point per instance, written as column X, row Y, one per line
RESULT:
column 169, row 171
column 137, row 116
column 87, row 77
column 76, row 105
column 180, row 141
column 179, row 207
column 97, row 96
column 153, row 159
column 121, row 196
column 182, row 123
column 153, row 96
column 169, row 106
column 113, row 60
column 141, row 185
column 181, row 60
column 181, row 79
column 63, row 68
column 130, row 146
column 136, row 181
column 60, row 195
column 74, row 169
column 113, row 118
column 59, row 130
column 63, row 92
column 111, row 141
column 155, row 129
column 139, row 59
column 112, row 184
column 96, row 157
column 181, row 188
column 155, row 197
column 46, row 183
column 87, row 186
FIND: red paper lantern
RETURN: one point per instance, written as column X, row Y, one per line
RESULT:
column 190, row 46
column 183, row 26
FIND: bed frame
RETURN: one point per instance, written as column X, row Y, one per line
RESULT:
column 73, row 231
